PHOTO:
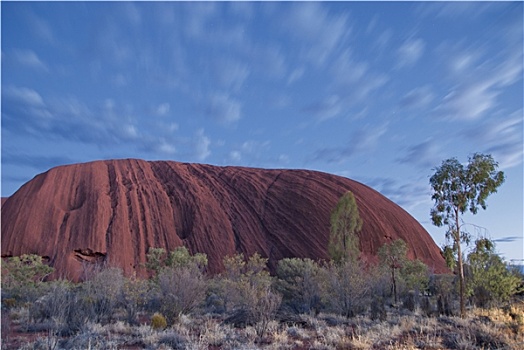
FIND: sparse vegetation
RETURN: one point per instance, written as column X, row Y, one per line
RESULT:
column 307, row 305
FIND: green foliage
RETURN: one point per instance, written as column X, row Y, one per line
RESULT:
column 489, row 280
column 415, row 275
column 300, row 284
column 393, row 257
column 158, row 321
column 345, row 223
column 458, row 189
column 133, row 297
column 155, row 259
column 22, row 275
column 449, row 255
column 158, row 258
column 180, row 257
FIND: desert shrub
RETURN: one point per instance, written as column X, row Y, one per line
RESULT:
column 22, row 277
column 133, row 297
column 426, row 307
column 101, row 294
column 347, row 288
column 246, row 290
column 158, row 259
column 264, row 310
column 158, row 321
column 181, row 290
column 410, row 301
column 415, row 276
column 378, row 309
column 488, row 279
column 444, row 289
column 61, row 310
column 300, row 284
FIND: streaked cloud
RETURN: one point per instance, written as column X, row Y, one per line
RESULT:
column 201, row 145
column 410, row 52
column 328, row 108
column 454, row 10
column 224, row 108
column 425, row 154
column 469, row 102
column 320, row 32
column 230, row 74
column 418, row 98
column 24, row 96
column 406, row 194
column 29, row 59
column 37, row 161
column 362, row 141
column 508, row 239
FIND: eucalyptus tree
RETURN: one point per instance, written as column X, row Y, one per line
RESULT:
column 458, row 189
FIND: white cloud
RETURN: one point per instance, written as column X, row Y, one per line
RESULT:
column 328, row 108
column 353, row 78
column 198, row 15
column 30, row 59
column 201, row 145
column 407, row 195
column 163, row 109
column 269, row 61
column 410, row 52
column 417, row 98
column 24, row 95
column 224, row 108
column 165, row 147
column 480, row 79
column 119, row 80
column 230, row 74
column 346, row 70
column 320, row 32
column 295, row 75
column 362, row 141
column 470, row 102
column 502, row 137
column 453, row 10
column 243, row 9
column 130, row 131
column 41, row 28
column 132, row 13
column 425, row 154
column 235, row 156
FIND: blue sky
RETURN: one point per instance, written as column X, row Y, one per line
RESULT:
column 377, row 92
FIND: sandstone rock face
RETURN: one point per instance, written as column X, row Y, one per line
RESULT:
column 114, row 211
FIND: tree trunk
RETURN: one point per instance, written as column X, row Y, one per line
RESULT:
column 461, row 266
column 394, row 284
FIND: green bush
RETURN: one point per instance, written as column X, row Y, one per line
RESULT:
column 300, row 284
column 22, row 276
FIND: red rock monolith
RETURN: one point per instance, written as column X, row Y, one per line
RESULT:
column 113, row 211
